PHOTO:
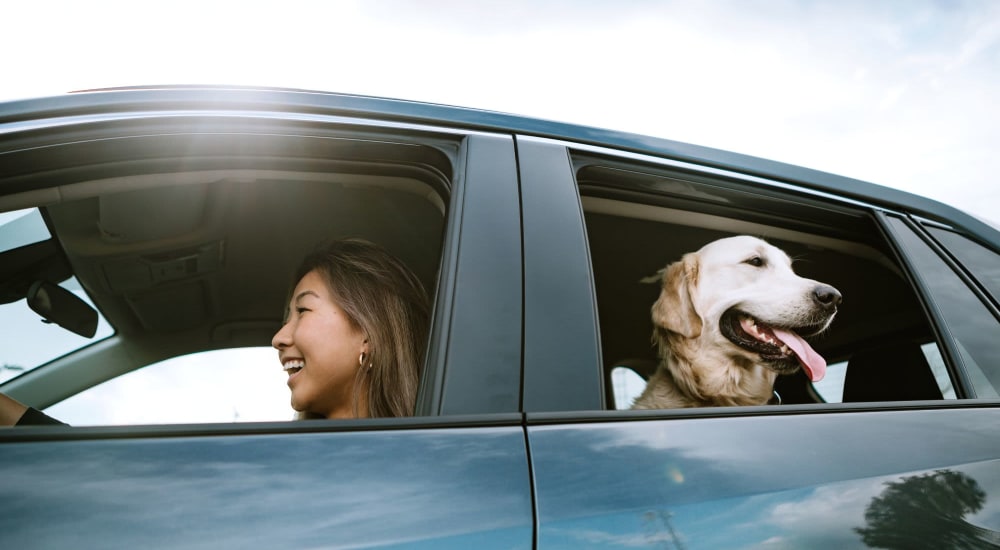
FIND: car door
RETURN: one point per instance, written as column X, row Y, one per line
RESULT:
column 456, row 475
column 887, row 465
column 433, row 484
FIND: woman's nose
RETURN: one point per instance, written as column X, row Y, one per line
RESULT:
column 282, row 338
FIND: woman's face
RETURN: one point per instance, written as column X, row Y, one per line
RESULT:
column 319, row 349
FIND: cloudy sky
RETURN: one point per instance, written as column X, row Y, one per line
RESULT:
column 896, row 92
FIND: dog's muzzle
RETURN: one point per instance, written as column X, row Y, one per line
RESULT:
column 782, row 349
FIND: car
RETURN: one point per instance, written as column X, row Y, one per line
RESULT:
column 178, row 213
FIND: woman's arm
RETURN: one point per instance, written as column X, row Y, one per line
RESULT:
column 10, row 410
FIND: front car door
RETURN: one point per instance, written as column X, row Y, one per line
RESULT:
column 180, row 212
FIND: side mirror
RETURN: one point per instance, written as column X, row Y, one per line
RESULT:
column 57, row 305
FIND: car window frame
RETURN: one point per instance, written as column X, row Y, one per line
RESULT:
column 542, row 378
column 482, row 206
column 894, row 223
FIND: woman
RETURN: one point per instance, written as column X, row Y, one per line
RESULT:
column 354, row 334
column 352, row 342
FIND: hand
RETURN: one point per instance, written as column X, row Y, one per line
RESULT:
column 10, row 410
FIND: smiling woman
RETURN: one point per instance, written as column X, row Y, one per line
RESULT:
column 354, row 334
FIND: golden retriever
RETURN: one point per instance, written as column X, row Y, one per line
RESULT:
column 730, row 318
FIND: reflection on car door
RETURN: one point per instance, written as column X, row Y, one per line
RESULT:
column 828, row 480
column 434, row 487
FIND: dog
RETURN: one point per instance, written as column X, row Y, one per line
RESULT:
column 730, row 318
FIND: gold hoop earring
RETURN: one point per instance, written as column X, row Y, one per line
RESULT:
column 361, row 361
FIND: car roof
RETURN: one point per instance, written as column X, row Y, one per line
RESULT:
column 284, row 100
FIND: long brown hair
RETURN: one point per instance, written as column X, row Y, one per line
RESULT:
column 387, row 303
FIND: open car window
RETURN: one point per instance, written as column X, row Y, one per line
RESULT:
column 21, row 228
column 641, row 217
column 31, row 342
column 186, row 246
column 28, row 255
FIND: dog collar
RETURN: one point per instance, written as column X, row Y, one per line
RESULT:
column 775, row 399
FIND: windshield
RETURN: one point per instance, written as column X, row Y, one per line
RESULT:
column 27, row 341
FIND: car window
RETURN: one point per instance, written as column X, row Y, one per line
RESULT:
column 231, row 385
column 189, row 249
column 627, row 384
column 981, row 261
column 642, row 215
column 29, row 342
column 21, row 227
column 968, row 320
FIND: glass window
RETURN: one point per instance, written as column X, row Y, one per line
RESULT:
column 20, row 228
column 27, row 342
column 831, row 387
column 981, row 261
column 627, row 385
column 966, row 318
column 231, row 385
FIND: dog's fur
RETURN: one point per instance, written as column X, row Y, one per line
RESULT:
column 701, row 363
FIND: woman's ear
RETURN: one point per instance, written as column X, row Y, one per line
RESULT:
column 674, row 309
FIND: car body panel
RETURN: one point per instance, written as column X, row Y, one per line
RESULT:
column 789, row 480
column 481, row 339
column 560, row 324
column 432, row 488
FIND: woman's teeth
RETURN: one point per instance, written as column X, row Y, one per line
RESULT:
column 293, row 366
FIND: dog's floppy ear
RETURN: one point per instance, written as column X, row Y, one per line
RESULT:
column 674, row 309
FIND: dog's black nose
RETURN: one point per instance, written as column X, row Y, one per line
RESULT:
column 827, row 296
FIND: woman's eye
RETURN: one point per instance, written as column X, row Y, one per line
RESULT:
column 300, row 310
column 756, row 261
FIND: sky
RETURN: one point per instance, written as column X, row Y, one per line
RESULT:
column 896, row 92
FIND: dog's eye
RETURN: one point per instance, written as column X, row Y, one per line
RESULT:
column 756, row 261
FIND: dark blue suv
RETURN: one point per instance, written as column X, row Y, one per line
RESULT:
column 178, row 213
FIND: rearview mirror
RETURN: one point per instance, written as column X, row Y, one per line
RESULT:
column 57, row 305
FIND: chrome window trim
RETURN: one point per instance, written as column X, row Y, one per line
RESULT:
column 718, row 172
column 359, row 122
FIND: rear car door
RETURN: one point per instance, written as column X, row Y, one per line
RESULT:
column 903, row 452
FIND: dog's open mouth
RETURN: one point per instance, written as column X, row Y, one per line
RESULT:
column 782, row 348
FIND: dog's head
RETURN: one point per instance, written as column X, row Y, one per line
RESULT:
column 740, row 297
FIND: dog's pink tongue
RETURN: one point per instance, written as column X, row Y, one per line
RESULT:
column 812, row 362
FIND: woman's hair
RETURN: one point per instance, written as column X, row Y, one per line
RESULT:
column 387, row 303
